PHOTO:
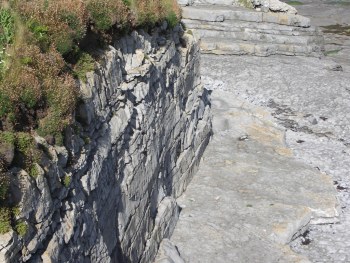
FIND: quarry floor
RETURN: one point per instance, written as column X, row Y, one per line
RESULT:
column 274, row 183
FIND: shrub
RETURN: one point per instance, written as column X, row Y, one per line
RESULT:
column 5, row 104
column 5, row 220
column 7, row 27
column 21, row 228
column 7, row 137
column 24, row 142
column 40, row 34
column 149, row 12
column 84, row 65
column 37, row 79
column 105, row 14
column 33, row 171
column 20, row 85
column 146, row 12
column 171, row 12
column 7, row 34
column 55, row 22
column 61, row 94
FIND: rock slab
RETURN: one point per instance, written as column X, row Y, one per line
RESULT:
column 251, row 196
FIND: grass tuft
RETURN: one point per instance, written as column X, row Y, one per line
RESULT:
column 5, row 220
column 21, row 228
column 84, row 65
column 67, row 180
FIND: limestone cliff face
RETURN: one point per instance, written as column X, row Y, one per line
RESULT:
column 109, row 195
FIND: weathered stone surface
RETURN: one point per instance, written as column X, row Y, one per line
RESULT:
column 110, row 195
column 312, row 103
column 8, row 246
column 168, row 253
column 251, row 196
column 274, row 6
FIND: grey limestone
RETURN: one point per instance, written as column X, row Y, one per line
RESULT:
column 233, row 30
column 109, row 195
column 251, row 196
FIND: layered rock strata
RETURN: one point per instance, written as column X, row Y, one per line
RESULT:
column 144, row 122
column 229, row 29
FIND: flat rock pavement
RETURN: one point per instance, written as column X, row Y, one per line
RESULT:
column 251, row 196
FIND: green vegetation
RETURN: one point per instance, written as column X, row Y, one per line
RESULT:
column 294, row 3
column 7, row 33
column 24, row 142
column 67, row 180
column 246, row 3
column 7, row 137
column 21, row 228
column 86, row 140
column 332, row 52
column 337, row 29
column 105, row 14
column 16, row 211
column 5, row 220
column 148, row 13
column 7, row 27
column 33, row 171
column 189, row 32
column 84, row 65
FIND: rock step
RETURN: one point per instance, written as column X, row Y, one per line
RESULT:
column 234, row 47
column 257, row 36
column 256, row 27
column 220, row 13
column 250, row 196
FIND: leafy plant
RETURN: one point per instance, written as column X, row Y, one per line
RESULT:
column 5, row 104
column 7, row 34
column 33, row 171
column 105, row 14
column 5, row 220
column 40, row 34
column 21, row 228
column 24, row 142
column 67, row 180
column 84, row 65
column 172, row 19
column 7, row 137
column 28, row 97
column 7, row 27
